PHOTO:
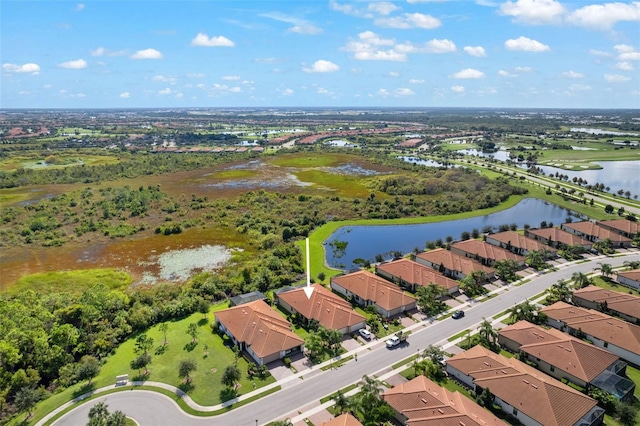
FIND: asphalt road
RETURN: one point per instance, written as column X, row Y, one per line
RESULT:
column 149, row 408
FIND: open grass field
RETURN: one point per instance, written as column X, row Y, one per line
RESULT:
column 39, row 161
column 74, row 282
column 206, row 388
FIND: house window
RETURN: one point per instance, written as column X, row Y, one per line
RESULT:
column 606, row 344
column 553, row 369
column 515, row 411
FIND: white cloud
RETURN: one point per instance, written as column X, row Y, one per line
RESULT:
column 626, row 52
column 457, row 89
column 417, row 81
column 525, row 44
column 98, row 52
column 78, row 64
column 287, row 92
column 300, row 25
column 533, row 12
column 403, row 91
column 79, row 7
column 625, row 66
column 504, row 73
column 382, row 7
column 369, row 47
column 30, row 68
column 616, row 78
column 599, row 53
column 321, row 66
column 164, row 79
column 203, row 40
column 468, row 73
column 231, row 77
column 394, row 74
column 579, row 87
column 147, row 54
column 523, row 69
column 409, row 20
column 101, row 51
column 605, row 16
column 477, row 51
column 305, row 29
column 440, row 46
column 165, row 92
column 125, row 95
column 573, row 74
column 196, row 75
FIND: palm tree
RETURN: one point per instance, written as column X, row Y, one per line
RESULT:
column 341, row 402
column 535, row 259
column 488, row 336
column 525, row 311
column 631, row 264
column 560, row 291
column 604, row 268
column 581, row 280
column 369, row 393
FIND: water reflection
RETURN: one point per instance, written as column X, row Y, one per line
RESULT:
column 365, row 242
column 614, row 174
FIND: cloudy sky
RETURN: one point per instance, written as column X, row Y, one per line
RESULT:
column 409, row 53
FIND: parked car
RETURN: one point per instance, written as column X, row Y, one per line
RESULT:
column 457, row 314
column 366, row 334
column 396, row 339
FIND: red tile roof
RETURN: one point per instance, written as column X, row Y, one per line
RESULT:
column 369, row 286
column 425, row 403
column 624, row 303
column 454, row 262
column 544, row 399
column 623, row 225
column 595, row 230
column 557, row 234
column 261, row 328
column 329, row 309
column 345, row 419
column 415, row 273
column 594, row 323
column 520, row 241
column 631, row 275
column 485, row 250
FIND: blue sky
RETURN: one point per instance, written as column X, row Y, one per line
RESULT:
column 409, row 53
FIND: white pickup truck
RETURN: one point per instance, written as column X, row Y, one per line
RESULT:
column 396, row 339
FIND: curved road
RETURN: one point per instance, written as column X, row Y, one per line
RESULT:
column 150, row 408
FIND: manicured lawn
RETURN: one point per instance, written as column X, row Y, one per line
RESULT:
column 206, row 389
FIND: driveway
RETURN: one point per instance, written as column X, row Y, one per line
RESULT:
column 150, row 408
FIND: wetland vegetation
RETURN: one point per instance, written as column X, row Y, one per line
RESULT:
column 105, row 237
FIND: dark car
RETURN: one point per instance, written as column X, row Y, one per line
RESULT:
column 457, row 314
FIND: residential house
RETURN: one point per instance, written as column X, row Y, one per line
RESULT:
column 557, row 238
column 630, row 278
column 345, row 419
column 421, row 402
column 260, row 331
column 519, row 244
column 594, row 232
column 564, row 357
column 330, row 310
column 246, row 298
column 368, row 289
column 622, row 226
column 485, row 253
column 613, row 334
column 623, row 305
column 523, row 392
column 451, row 264
column 412, row 275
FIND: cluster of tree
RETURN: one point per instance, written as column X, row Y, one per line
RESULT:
column 366, row 405
column 322, row 342
column 191, row 138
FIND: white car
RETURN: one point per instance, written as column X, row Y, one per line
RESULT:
column 365, row 333
column 393, row 341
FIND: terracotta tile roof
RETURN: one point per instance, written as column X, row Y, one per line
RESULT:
column 425, row 403
column 595, row 230
column 415, row 273
column 369, row 286
column 486, row 250
column 525, row 333
column 561, row 350
column 454, row 262
column 557, row 234
column 624, row 303
column 597, row 324
column 259, row 327
column 631, row 275
column 345, row 419
column 622, row 225
column 544, row 399
column 329, row 309
column 520, row 241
